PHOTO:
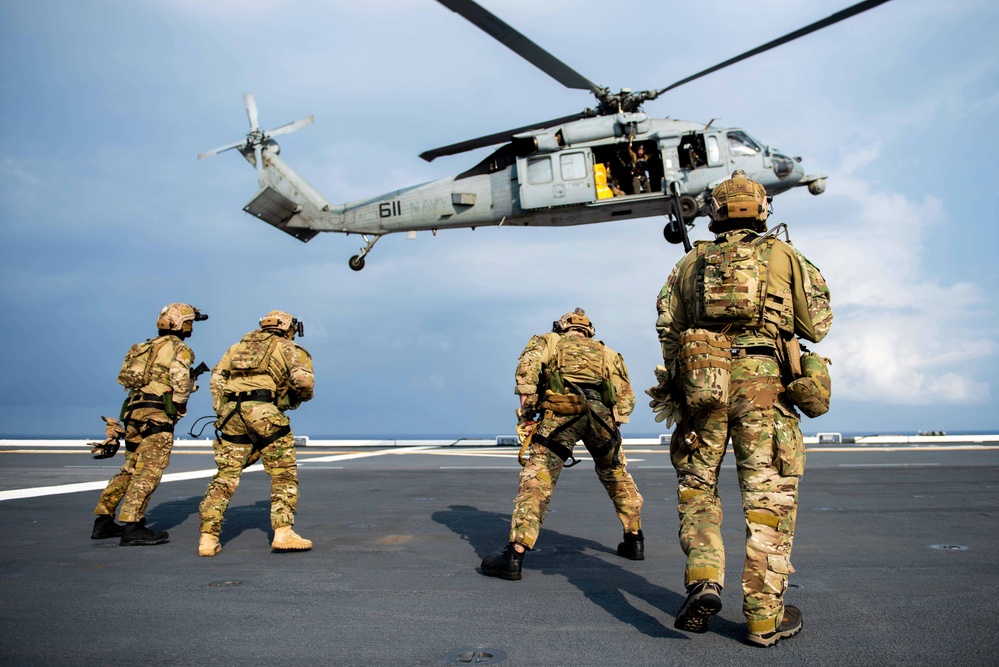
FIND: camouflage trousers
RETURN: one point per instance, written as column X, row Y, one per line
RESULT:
column 264, row 419
column 770, row 458
column 541, row 473
column 133, row 485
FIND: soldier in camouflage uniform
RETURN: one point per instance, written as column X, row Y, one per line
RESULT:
column 581, row 388
column 157, row 375
column 254, row 383
column 750, row 292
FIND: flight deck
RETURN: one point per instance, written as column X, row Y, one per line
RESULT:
column 895, row 553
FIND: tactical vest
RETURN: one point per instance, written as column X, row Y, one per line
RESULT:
column 252, row 355
column 580, row 360
column 140, row 367
column 732, row 283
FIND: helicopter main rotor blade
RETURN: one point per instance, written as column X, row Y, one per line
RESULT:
column 493, row 139
column 291, row 127
column 221, row 149
column 251, row 111
column 521, row 45
column 818, row 25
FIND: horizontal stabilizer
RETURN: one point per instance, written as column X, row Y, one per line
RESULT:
column 275, row 209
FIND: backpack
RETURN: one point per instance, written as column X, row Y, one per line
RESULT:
column 580, row 360
column 732, row 282
column 816, row 296
column 137, row 369
column 252, row 354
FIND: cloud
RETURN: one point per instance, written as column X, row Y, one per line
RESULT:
column 902, row 335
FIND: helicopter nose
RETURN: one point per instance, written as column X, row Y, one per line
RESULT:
column 786, row 169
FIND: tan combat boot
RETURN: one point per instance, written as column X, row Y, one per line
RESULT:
column 285, row 539
column 209, row 545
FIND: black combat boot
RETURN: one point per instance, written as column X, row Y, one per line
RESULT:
column 633, row 546
column 137, row 535
column 105, row 527
column 505, row 566
column 703, row 601
column 789, row 626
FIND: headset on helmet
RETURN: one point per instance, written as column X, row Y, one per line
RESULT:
column 577, row 319
column 739, row 199
column 278, row 319
column 179, row 317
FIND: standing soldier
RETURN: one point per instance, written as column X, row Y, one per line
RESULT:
column 581, row 387
column 157, row 375
column 729, row 317
column 254, row 383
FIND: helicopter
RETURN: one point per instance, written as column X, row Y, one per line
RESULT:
column 610, row 162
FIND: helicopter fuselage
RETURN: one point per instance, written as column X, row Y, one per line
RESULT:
column 579, row 173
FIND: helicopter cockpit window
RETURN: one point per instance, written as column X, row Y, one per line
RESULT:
column 539, row 170
column 740, row 143
column 573, row 166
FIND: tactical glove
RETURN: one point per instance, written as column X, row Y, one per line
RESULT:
column 114, row 432
column 663, row 404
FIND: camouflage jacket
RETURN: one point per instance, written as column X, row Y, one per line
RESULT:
column 537, row 359
column 788, row 274
column 287, row 372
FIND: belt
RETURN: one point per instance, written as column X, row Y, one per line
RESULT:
column 145, row 401
column 755, row 351
column 262, row 395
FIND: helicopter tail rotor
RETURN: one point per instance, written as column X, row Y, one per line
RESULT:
column 256, row 139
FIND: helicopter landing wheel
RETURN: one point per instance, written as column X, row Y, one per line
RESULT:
column 688, row 208
column 672, row 233
column 356, row 262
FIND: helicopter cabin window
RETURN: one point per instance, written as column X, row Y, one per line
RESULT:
column 539, row 170
column 573, row 166
column 714, row 155
column 740, row 143
column 692, row 152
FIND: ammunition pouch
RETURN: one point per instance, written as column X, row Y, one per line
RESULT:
column 705, row 364
column 169, row 407
column 812, row 392
column 564, row 404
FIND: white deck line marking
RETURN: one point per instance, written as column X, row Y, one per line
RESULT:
column 886, row 465
column 39, row 491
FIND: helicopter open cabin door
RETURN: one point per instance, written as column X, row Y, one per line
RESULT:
column 556, row 179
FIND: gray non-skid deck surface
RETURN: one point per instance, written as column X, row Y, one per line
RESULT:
column 392, row 579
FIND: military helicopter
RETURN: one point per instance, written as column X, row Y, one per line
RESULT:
column 606, row 163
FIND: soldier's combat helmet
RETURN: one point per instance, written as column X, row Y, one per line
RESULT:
column 738, row 203
column 577, row 320
column 179, row 318
column 283, row 322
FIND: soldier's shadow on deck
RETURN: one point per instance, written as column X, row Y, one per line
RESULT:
column 602, row 580
column 238, row 518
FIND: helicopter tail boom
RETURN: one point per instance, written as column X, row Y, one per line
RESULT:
column 286, row 201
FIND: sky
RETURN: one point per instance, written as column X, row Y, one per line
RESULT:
column 108, row 215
